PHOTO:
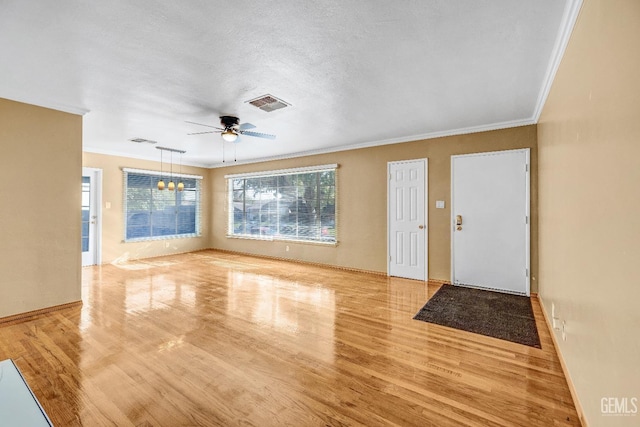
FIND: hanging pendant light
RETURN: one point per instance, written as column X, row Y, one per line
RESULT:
column 180, row 183
column 171, row 185
column 161, row 182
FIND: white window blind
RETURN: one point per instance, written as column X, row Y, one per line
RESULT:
column 153, row 214
column 288, row 204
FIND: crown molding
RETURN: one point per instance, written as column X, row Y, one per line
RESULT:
column 334, row 149
column 411, row 138
column 569, row 18
column 137, row 156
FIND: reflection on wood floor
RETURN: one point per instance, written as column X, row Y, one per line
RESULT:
column 210, row 338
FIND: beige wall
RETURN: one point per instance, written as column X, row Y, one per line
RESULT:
column 362, row 200
column 113, row 247
column 589, row 205
column 40, row 171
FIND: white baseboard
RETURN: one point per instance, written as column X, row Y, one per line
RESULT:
column 565, row 371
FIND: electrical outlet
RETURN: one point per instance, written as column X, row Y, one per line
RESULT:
column 287, row 248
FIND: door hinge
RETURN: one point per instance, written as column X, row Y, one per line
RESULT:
column 389, row 257
column 526, row 219
column 390, row 176
column 526, row 272
column 526, row 167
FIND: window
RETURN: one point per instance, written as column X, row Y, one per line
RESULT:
column 153, row 214
column 293, row 204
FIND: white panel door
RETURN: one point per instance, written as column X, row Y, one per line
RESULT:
column 490, row 220
column 90, row 215
column 407, row 219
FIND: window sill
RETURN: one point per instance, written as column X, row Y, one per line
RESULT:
column 281, row 239
column 155, row 238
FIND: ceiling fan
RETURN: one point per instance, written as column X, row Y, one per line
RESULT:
column 231, row 129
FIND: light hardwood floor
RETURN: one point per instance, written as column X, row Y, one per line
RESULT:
column 211, row 338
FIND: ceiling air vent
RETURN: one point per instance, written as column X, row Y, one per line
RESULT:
column 141, row 140
column 268, row 103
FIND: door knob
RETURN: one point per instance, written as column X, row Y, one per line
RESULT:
column 421, row 227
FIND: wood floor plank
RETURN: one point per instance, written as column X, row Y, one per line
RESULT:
column 212, row 338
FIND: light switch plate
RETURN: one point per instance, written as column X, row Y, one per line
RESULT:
column 439, row 204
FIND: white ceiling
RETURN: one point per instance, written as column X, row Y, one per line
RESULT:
column 357, row 72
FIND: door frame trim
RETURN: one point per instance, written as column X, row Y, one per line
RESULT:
column 527, row 153
column 97, row 173
column 425, row 160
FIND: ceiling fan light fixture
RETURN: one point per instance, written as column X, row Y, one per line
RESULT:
column 229, row 135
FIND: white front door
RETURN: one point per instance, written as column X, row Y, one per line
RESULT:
column 490, row 220
column 90, row 215
column 407, row 219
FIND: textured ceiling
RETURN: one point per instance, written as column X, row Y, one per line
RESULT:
column 356, row 73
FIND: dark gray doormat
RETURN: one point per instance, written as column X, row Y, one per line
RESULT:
column 494, row 314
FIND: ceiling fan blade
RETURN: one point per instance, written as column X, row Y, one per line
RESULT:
column 201, row 124
column 246, row 126
column 257, row 134
column 200, row 133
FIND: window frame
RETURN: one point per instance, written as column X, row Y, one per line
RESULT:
column 276, row 174
column 156, row 174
